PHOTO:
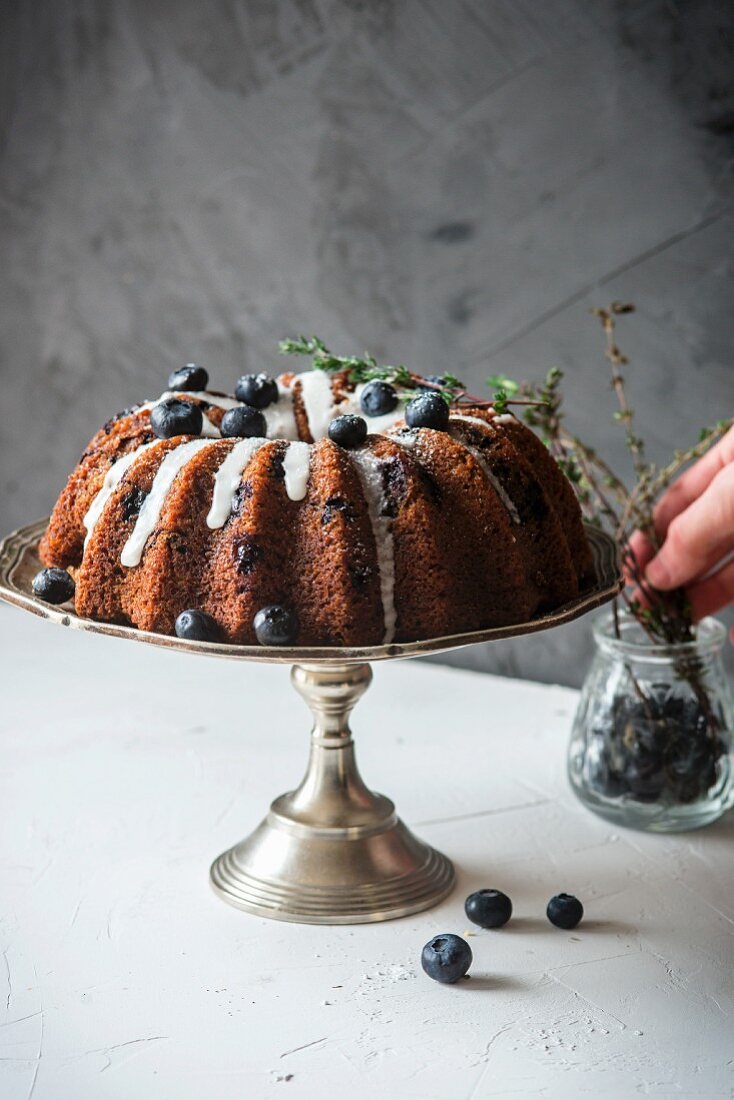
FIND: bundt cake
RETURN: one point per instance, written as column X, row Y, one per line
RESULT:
column 244, row 513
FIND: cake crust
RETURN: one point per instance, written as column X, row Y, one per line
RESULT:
column 416, row 533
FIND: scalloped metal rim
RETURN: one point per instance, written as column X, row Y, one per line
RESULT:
column 19, row 563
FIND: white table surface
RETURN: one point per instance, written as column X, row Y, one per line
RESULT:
column 125, row 770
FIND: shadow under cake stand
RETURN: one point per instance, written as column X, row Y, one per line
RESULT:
column 332, row 851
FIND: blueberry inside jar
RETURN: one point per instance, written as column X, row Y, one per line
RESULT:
column 651, row 746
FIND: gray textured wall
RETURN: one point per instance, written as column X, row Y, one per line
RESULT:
column 451, row 183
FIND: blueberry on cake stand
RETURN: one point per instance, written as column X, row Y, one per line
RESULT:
column 331, row 851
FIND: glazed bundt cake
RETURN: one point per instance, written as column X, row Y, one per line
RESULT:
column 316, row 511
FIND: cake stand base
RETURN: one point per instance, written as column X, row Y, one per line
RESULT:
column 332, row 852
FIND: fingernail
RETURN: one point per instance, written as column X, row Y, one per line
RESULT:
column 657, row 574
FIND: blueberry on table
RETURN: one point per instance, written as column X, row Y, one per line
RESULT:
column 275, row 625
column 378, row 398
column 175, row 417
column 197, row 626
column 258, row 390
column 427, row 411
column 53, row 585
column 191, row 378
column 446, row 958
column 565, row 911
column 244, row 421
column 348, row 431
column 488, row 908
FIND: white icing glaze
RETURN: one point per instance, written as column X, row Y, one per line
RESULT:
column 209, row 430
column 321, row 406
column 113, row 477
column 279, row 417
column 296, row 465
column 376, row 425
column 368, row 469
column 456, row 433
column 471, row 420
column 318, row 401
column 406, row 440
column 148, row 516
column 228, row 477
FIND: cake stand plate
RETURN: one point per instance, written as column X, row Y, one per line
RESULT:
column 332, row 851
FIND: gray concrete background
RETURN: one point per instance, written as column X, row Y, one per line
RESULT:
column 449, row 183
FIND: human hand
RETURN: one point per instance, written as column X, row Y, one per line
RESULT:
column 694, row 521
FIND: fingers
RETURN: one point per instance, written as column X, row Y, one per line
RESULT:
column 698, row 538
column 641, row 551
column 709, row 596
column 693, row 483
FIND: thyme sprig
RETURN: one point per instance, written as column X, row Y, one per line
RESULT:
column 366, row 368
column 608, row 501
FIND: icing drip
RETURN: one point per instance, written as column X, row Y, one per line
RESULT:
column 280, row 419
column 477, row 455
column 370, row 475
column 113, row 477
column 318, row 401
column 227, row 479
column 296, row 468
column 149, row 514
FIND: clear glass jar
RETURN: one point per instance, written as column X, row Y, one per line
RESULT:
column 651, row 746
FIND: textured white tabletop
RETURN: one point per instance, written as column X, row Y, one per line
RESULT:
column 126, row 769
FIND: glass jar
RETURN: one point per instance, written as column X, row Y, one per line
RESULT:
column 651, row 746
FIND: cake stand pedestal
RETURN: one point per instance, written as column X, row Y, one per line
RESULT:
column 331, row 851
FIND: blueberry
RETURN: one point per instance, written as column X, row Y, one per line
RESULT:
column 427, row 411
column 175, row 417
column 197, row 626
column 378, row 398
column 244, row 421
column 565, row 911
column 191, row 379
column 348, row 431
column 258, row 390
column 275, row 625
column 53, row 585
column 488, row 908
column 642, row 787
column 446, row 958
column 685, row 713
column 692, row 766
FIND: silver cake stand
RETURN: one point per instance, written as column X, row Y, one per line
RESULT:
column 331, row 851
